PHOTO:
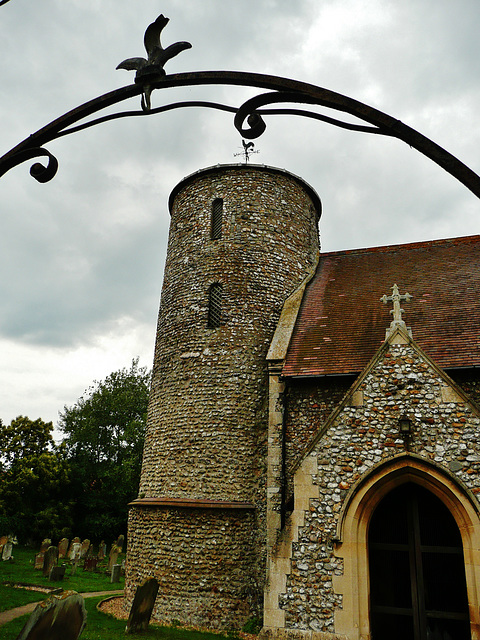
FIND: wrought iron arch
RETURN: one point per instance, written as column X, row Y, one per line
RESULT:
column 249, row 117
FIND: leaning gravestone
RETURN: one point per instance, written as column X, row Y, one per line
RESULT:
column 50, row 560
column 61, row 617
column 45, row 544
column 142, row 606
column 120, row 542
column 62, row 547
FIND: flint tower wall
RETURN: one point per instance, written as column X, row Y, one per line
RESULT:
column 198, row 524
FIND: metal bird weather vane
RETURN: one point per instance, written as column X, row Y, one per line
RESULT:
column 248, row 149
column 248, row 119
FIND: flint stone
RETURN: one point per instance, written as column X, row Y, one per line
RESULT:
column 142, row 606
column 61, row 617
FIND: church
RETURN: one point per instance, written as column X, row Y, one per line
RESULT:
column 312, row 455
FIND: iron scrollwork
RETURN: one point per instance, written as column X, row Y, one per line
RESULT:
column 249, row 117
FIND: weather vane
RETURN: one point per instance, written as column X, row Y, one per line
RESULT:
column 248, row 149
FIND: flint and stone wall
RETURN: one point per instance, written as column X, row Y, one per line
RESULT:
column 207, row 422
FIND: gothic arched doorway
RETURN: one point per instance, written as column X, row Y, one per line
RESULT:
column 417, row 573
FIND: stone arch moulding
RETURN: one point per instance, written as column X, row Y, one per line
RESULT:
column 353, row 620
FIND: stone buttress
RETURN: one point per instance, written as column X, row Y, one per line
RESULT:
column 242, row 238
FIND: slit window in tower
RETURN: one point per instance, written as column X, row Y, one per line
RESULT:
column 216, row 219
column 215, row 295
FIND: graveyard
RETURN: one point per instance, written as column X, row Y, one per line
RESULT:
column 52, row 572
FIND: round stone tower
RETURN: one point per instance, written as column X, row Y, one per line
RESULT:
column 242, row 238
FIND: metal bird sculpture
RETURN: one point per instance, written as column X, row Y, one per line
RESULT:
column 152, row 67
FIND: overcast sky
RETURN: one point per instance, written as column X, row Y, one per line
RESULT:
column 82, row 256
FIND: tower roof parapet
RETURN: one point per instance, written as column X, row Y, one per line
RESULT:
column 218, row 168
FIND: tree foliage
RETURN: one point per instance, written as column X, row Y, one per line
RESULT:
column 104, row 433
column 34, row 481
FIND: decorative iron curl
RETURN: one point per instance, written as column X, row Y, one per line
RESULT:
column 40, row 172
column 248, row 112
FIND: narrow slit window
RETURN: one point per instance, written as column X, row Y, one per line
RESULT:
column 216, row 219
column 215, row 296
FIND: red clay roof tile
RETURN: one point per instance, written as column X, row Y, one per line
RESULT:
column 342, row 322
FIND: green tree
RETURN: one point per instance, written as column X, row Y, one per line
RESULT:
column 104, row 434
column 34, row 481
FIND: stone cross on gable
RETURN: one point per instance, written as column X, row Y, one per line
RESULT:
column 397, row 311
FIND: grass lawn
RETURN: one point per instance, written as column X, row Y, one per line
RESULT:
column 22, row 571
column 104, row 627
column 100, row 626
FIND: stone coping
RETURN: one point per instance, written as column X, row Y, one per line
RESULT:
column 189, row 503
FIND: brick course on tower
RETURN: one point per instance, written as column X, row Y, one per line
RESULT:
column 199, row 522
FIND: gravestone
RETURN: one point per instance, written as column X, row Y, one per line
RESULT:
column 75, row 549
column 7, row 551
column 142, row 606
column 45, row 544
column 39, row 561
column 90, row 564
column 60, row 617
column 115, row 575
column 57, row 573
column 75, row 541
column 102, row 551
column 120, row 542
column 62, row 547
column 112, row 556
column 84, row 548
column 50, row 560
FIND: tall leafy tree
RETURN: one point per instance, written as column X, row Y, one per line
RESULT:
column 104, row 434
column 34, row 481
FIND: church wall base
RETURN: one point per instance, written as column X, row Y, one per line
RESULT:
column 204, row 561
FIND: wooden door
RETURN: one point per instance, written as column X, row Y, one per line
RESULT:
column 417, row 574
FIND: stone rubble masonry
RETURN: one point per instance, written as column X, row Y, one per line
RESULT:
column 359, row 435
column 206, row 435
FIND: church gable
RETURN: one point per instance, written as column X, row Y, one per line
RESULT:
column 401, row 407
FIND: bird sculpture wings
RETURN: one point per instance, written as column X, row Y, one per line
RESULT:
column 152, row 67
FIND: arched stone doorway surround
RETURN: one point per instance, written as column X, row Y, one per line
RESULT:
column 351, row 544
